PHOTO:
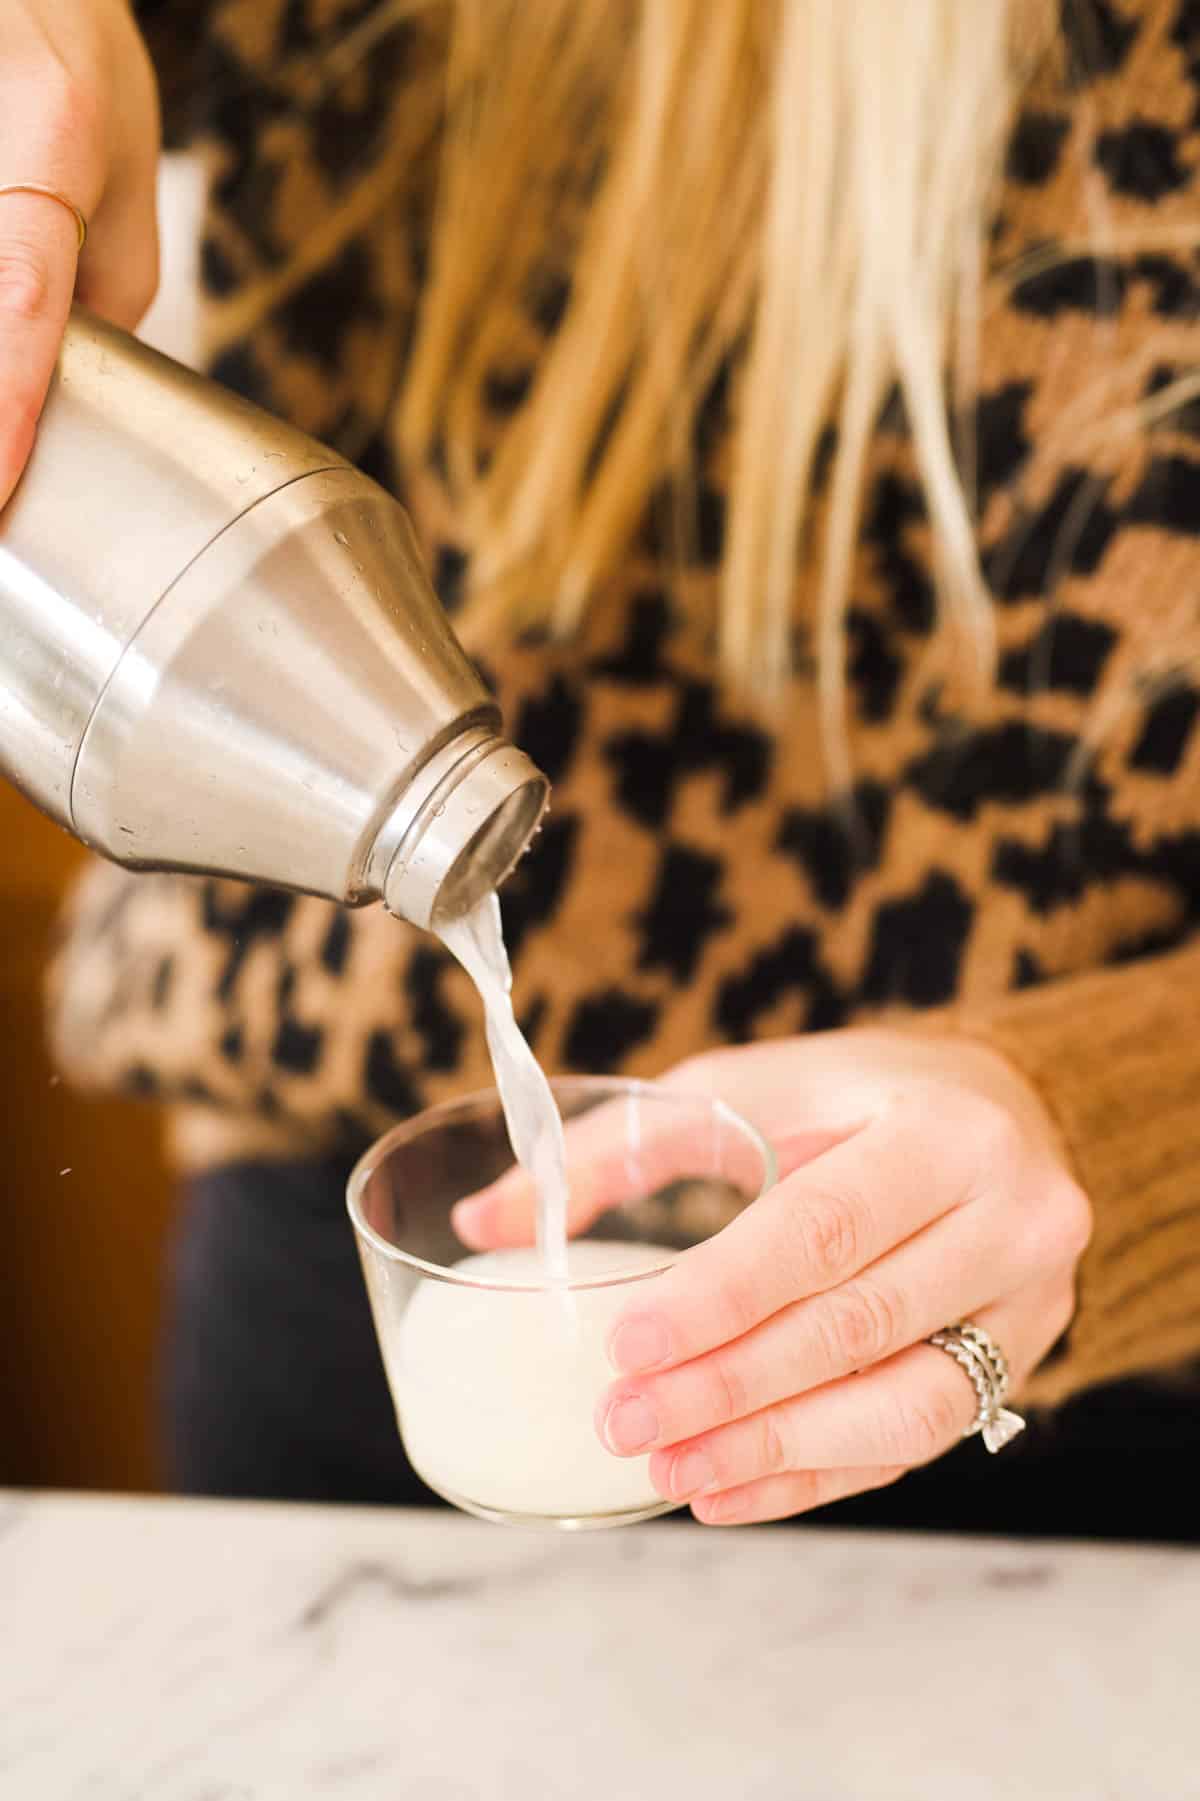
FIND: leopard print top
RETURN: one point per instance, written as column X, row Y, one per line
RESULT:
column 693, row 887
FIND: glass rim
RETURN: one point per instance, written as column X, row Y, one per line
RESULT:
column 407, row 1129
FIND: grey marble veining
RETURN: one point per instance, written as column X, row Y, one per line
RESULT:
column 166, row 1651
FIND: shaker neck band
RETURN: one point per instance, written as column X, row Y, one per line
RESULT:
column 464, row 821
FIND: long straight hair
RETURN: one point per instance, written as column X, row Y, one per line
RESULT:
column 794, row 190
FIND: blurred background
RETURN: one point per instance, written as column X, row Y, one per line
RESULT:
column 85, row 1191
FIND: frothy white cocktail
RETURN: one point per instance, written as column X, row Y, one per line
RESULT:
column 496, row 1389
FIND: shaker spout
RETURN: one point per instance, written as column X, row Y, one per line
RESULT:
column 460, row 827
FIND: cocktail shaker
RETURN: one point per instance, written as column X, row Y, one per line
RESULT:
column 219, row 653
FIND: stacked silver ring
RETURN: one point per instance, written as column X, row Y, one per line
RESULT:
column 984, row 1364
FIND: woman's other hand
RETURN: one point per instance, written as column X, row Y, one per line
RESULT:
column 782, row 1364
column 78, row 113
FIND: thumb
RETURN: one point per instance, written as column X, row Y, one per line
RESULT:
column 626, row 1150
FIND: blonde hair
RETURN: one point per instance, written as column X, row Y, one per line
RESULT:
column 796, row 188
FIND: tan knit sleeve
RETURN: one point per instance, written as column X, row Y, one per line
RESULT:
column 1116, row 1057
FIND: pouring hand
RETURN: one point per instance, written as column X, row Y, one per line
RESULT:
column 78, row 113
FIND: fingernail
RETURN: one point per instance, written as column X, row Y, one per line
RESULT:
column 630, row 1425
column 718, row 1510
column 691, row 1473
column 639, row 1344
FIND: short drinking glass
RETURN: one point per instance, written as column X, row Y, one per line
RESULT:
column 495, row 1372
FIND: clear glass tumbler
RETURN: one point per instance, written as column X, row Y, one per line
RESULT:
column 495, row 1372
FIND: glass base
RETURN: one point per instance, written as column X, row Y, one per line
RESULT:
column 554, row 1522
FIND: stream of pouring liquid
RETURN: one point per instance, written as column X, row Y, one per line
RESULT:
column 530, row 1112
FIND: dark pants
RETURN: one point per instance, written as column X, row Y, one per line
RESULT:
column 275, row 1389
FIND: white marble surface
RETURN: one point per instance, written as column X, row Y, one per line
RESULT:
column 169, row 1651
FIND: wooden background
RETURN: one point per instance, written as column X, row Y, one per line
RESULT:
column 81, row 1281
column 80, row 1291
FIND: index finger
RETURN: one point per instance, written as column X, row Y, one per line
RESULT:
column 823, row 1224
column 39, row 250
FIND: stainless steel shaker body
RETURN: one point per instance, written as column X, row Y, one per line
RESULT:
column 219, row 653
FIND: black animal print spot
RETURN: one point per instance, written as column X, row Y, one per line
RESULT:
column 1174, row 858
column 1002, row 445
column 255, row 915
column 896, row 504
column 1158, row 942
column 315, row 320
column 712, row 415
column 506, row 390
column 1084, row 284
column 873, row 667
column 1068, row 652
column 917, row 945
column 233, row 1043
column 533, row 1018
column 1166, row 731
column 1035, row 147
column 1011, row 764
column 533, row 891
column 335, row 948
column 1056, row 872
column 684, row 912
column 1141, row 160
column 639, row 663
column 388, row 1083
column 376, row 460
column 440, row 1029
column 196, row 1090
column 548, row 727
column 832, row 849
column 790, row 966
column 141, row 1082
column 449, row 574
column 217, row 274
column 547, row 298
column 297, row 1047
column 1186, row 30
column 160, row 988
column 1176, row 295
column 1027, row 970
column 248, row 182
column 823, row 457
column 892, row 420
column 1168, row 495
column 238, row 368
column 1069, row 535
column 1098, row 38
column 605, row 1028
column 710, row 512
column 650, row 766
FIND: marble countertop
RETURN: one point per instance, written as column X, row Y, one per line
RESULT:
column 175, row 1651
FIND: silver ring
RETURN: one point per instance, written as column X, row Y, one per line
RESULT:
column 986, row 1368
column 988, row 1348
